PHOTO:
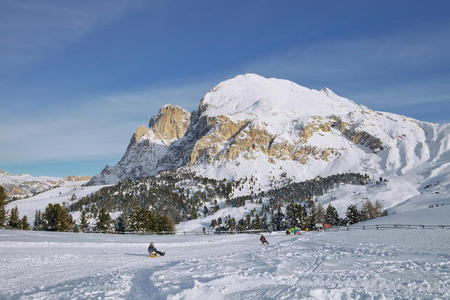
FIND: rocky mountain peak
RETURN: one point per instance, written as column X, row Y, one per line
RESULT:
column 170, row 123
column 276, row 126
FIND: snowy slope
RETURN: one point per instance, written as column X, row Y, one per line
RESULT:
column 370, row 264
column 427, row 209
column 283, row 107
column 61, row 194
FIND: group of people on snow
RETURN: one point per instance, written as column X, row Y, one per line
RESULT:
column 152, row 249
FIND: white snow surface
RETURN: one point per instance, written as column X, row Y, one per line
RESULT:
column 60, row 195
column 275, row 101
column 423, row 209
column 355, row 264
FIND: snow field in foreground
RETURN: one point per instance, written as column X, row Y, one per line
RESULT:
column 334, row 265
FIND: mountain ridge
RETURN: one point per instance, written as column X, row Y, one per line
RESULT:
column 25, row 185
column 251, row 125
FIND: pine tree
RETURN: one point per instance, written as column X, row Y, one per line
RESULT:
column 277, row 219
column 264, row 221
column 14, row 218
column 37, row 225
column 64, row 219
column 353, row 215
column 166, row 224
column 241, row 225
column 291, row 211
column 213, row 223
column 3, row 214
column 301, row 216
column 121, row 224
column 320, row 214
column 312, row 217
column 232, row 224
column 57, row 218
column 136, row 220
column 84, row 224
column 248, row 221
column 257, row 223
column 104, row 221
column 23, row 223
column 332, row 216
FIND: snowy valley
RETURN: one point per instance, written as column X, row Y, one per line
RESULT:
column 259, row 154
column 252, row 137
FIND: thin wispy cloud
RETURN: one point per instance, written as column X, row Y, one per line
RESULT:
column 31, row 30
column 382, row 71
column 101, row 125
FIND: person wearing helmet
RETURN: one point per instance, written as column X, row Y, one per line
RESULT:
column 152, row 249
column 263, row 240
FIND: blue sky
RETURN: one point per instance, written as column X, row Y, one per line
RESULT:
column 78, row 77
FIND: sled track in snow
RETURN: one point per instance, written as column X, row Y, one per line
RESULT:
column 360, row 264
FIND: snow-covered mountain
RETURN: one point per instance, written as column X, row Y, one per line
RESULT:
column 266, row 127
column 25, row 185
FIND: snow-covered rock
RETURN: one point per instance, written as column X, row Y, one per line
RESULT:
column 25, row 185
column 148, row 147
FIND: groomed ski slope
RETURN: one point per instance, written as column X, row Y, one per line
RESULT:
column 356, row 264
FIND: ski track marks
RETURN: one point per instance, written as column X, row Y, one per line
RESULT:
column 333, row 265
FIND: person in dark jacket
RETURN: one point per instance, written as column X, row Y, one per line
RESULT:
column 263, row 240
column 152, row 249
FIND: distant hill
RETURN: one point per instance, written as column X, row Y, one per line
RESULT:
column 25, row 185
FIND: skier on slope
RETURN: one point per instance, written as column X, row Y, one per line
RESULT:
column 263, row 240
column 152, row 249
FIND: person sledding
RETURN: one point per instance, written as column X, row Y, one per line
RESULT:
column 152, row 251
column 263, row 240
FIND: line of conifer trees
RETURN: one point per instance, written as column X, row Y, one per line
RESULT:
column 11, row 219
column 58, row 218
column 303, row 216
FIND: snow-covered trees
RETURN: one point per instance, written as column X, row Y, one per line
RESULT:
column 320, row 211
column 296, row 216
column 121, row 224
column 332, row 216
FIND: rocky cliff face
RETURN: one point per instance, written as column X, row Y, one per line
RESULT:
column 254, row 125
column 148, row 147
